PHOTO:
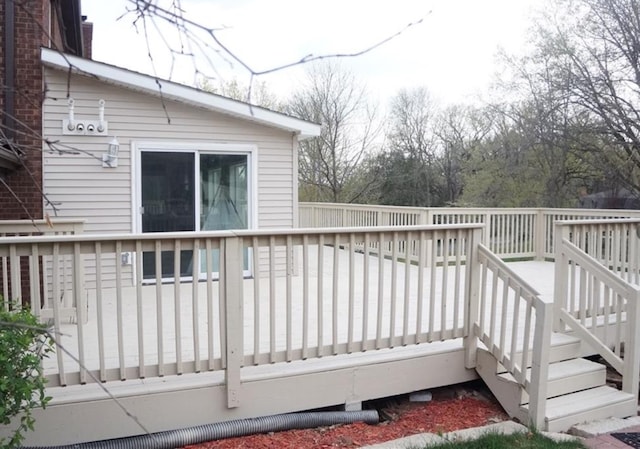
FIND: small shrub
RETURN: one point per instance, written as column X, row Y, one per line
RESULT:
column 23, row 344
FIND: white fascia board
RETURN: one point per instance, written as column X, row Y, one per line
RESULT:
column 179, row 92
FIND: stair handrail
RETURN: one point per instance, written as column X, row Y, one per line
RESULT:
column 613, row 297
column 531, row 337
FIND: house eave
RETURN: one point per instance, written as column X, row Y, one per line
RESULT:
column 178, row 92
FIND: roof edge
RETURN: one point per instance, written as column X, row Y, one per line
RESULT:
column 179, row 92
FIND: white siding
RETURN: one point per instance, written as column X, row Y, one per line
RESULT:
column 75, row 181
column 82, row 188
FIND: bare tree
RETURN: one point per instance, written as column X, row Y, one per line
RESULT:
column 458, row 129
column 410, row 136
column 329, row 166
column 260, row 93
column 593, row 48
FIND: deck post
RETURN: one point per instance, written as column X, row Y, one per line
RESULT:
column 631, row 374
column 472, row 299
column 486, row 233
column 539, row 236
column 540, row 364
column 561, row 271
column 233, row 296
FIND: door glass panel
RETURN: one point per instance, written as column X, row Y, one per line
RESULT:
column 168, row 201
column 223, row 196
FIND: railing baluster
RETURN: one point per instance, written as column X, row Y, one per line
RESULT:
column 157, row 254
column 619, row 302
column 34, row 280
column 140, row 310
column 222, row 300
column 289, row 314
column 432, row 287
column 407, row 290
column 483, row 295
column 55, row 270
column 210, row 315
column 457, row 329
column 365, row 293
column 504, row 311
column 16, row 278
column 195, row 275
column 272, row 299
column 79, row 303
column 515, row 328
column 305, row 297
column 177, row 310
column 380, row 289
column 595, row 302
column 394, row 288
column 320, row 296
column 5, row 283
column 582, row 292
column 256, row 300
column 334, row 293
column 120, row 311
column 352, row 276
column 494, row 301
column 607, row 311
column 420, row 299
column 526, row 341
column 99, row 311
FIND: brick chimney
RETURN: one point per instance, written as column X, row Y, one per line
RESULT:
column 87, row 37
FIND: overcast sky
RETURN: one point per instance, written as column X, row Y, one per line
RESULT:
column 452, row 52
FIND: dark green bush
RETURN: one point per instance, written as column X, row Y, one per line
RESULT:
column 23, row 344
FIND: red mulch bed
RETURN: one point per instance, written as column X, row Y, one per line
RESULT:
column 443, row 414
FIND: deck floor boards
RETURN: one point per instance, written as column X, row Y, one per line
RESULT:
column 539, row 274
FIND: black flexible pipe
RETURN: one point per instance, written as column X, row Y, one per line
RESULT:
column 241, row 427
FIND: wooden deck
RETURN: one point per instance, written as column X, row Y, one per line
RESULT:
column 339, row 315
column 172, row 328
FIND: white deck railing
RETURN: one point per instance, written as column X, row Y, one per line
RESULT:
column 248, row 298
column 332, row 295
column 508, row 232
column 39, row 299
column 596, row 290
column 515, row 325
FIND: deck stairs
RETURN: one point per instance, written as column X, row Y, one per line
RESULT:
column 576, row 391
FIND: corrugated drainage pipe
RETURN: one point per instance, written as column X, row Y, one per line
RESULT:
column 194, row 435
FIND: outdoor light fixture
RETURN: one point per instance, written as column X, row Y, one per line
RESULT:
column 110, row 158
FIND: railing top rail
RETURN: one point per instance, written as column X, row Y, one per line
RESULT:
column 40, row 225
column 486, row 252
column 526, row 210
column 187, row 235
column 597, row 221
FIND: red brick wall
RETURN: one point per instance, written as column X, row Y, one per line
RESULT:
column 31, row 18
column 87, row 39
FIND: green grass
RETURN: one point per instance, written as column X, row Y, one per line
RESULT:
column 528, row 440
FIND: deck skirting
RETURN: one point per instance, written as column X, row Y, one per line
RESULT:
column 177, row 402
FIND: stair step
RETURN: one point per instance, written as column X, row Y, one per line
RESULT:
column 567, row 376
column 565, row 411
column 563, row 347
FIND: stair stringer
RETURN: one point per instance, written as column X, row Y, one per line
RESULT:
column 507, row 393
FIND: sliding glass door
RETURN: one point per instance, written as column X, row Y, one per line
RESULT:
column 191, row 191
